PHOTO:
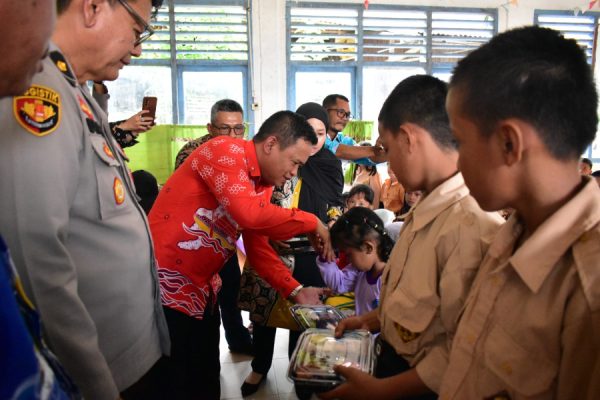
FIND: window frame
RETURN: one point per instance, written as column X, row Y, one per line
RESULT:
column 358, row 65
column 178, row 66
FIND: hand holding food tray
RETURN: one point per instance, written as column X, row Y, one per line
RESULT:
column 318, row 351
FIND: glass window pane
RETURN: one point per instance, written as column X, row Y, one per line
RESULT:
column 135, row 82
column 378, row 83
column 201, row 89
column 316, row 85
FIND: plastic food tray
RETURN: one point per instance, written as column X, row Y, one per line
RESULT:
column 318, row 351
column 321, row 316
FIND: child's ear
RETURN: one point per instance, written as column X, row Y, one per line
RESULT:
column 407, row 136
column 511, row 141
column 368, row 246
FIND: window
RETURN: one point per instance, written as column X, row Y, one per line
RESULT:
column 198, row 55
column 376, row 48
column 584, row 29
column 202, row 88
column 134, row 83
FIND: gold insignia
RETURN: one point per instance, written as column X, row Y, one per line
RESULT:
column 406, row 335
column 38, row 110
column 107, row 150
column 85, row 108
column 119, row 191
column 62, row 66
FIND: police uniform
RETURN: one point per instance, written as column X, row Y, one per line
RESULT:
column 531, row 328
column 78, row 236
column 429, row 274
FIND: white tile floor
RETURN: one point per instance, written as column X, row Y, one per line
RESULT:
column 235, row 368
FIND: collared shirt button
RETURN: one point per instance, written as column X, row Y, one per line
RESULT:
column 166, row 216
column 178, row 261
column 287, row 279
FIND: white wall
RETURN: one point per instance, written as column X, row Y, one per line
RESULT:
column 269, row 38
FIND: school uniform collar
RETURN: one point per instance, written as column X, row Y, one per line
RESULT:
column 535, row 259
column 432, row 205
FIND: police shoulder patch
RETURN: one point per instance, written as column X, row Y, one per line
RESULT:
column 38, row 110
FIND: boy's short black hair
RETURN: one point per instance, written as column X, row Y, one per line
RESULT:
column 587, row 161
column 365, row 190
column 419, row 99
column 596, row 174
column 538, row 76
column 287, row 127
column 332, row 99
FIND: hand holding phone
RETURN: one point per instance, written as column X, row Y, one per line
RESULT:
column 149, row 104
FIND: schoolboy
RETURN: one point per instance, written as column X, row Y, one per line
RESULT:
column 526, row 104
column 435, row 259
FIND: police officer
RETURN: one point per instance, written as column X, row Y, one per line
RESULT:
column 68, row 208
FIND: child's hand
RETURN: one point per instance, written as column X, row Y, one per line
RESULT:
column 348, row 324
column 359, row 385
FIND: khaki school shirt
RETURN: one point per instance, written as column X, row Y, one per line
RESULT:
column 429, row 273
column 531, row 326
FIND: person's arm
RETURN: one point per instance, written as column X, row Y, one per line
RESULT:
column 137, row 123
column 269, row 266
column 226, row 176
column 341, row 281
column 100, row 94
column 369, row 321
column 360, row 385
column 358, row 154
column 36, row 194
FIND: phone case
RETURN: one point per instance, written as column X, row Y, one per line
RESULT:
column 149, row 103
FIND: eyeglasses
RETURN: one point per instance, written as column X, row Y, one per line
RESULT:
column 341, row 113
column 238, row 130
column 147, row 32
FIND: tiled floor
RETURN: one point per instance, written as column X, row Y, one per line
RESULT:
column 235, row 368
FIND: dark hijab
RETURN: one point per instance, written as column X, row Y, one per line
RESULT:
column 322, row 176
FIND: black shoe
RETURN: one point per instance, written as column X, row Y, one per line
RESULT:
column 251, row 388
column 303, row 393
column 243, row 349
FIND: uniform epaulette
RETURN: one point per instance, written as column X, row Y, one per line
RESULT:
column 586, row 254
column 62, row 65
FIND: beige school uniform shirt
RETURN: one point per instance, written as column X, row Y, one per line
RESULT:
column 429, row 273
column 531, row 326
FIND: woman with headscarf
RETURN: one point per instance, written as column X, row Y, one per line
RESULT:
column 317, row 189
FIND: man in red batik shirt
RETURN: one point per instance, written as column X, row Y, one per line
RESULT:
column 221, row 190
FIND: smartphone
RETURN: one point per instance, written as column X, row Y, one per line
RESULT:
column 149, row 103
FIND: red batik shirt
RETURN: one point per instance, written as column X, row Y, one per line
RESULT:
column 198, row 215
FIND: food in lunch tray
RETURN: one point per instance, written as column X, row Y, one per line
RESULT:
column 318, row 351
column 324, row 317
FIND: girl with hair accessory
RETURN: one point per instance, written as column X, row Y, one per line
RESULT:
column 361, row 235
